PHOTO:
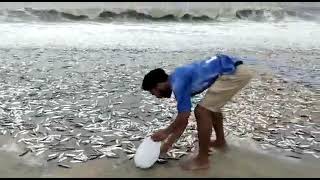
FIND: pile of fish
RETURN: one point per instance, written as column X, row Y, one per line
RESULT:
column 72, row 115
column 276, row 113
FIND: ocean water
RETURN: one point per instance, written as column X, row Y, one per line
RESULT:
column 174, row 27
column 189, row 28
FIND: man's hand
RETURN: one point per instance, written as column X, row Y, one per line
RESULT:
column 160, row 135
column 177, row 127
column 165, row 147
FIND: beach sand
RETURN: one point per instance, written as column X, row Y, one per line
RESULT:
column 240, row 160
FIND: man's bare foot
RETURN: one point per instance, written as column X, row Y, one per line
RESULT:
column 210, row 150
column 195, row 164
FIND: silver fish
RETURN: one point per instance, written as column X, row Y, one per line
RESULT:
column 62, row 159
column 64, row 166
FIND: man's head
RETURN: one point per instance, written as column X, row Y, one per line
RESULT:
column 157, row 83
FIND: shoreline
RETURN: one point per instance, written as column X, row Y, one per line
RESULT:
column 237, row 161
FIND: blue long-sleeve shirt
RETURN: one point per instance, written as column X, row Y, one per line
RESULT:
column 189, row 80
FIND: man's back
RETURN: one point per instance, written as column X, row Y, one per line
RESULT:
column 199, row 75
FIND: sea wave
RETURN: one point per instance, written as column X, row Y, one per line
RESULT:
column 175, row 15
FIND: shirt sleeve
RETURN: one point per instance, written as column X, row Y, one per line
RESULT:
column 182, row 92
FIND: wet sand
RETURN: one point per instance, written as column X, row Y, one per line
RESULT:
column 240, row 160
column 14, row 166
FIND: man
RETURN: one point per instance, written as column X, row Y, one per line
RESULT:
column 222, row 75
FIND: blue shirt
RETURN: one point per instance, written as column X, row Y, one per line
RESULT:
column 189, row 80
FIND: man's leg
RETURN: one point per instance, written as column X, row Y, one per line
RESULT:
column 222, row 91
column 204, row 127
column 217, row 121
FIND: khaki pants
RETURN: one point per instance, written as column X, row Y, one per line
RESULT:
column 225, row 87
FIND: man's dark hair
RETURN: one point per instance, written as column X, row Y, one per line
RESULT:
column 154, row 77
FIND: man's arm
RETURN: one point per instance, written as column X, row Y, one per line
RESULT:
column 182, row 91
column 180, row 122
column 177, row 127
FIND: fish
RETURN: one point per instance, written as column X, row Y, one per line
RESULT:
column 304, row 146
column 128, row 151
column 130, row 156
column 40, row 152
column 52, row 158
column 308, row 152
column 79, row 158
column 70, row 155
column 76, row 161
column 25, row 152
column 61, row 155
column 64, row 166
column 62, row 159
column 111, row 155
column 92, row 157
column 96, row 146
column 82, row 117
column 293, row 156
column 316, row 156
column 161, row 161
column 53, row 155
column 65, row 139
column 78, row 150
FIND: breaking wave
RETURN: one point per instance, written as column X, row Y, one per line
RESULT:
column 109, row 15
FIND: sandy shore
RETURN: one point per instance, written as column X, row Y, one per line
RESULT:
column 241, row 160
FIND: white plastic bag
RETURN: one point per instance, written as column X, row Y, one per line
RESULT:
column 147, row 153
